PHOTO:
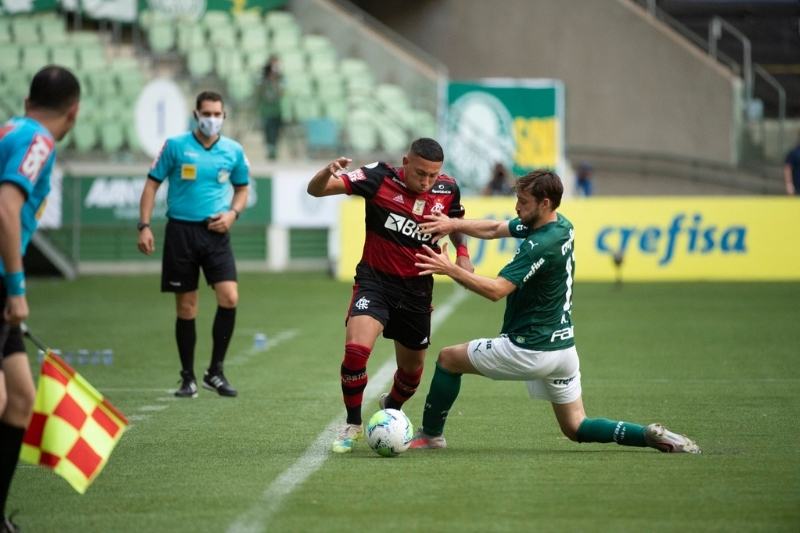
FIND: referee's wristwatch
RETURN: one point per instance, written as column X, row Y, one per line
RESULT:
column 141, row 225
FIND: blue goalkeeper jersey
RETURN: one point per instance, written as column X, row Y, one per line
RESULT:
column 199, row 178
column 27, row 155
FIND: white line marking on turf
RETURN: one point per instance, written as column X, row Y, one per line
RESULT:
column 256, row 519
column 152, row 408
column 273, row 341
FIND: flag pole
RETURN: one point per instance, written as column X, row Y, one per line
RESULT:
column 39, row 344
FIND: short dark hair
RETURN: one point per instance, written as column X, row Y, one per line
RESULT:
column 210, row 96
column 54, row 88
column 542, row 184
column 427, row 149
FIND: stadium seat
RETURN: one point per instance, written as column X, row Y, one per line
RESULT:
column 247, row 19
column 292, row 62
column 330, row 88
column 313, row 44
column 66, row 56
column 84, row 134
column 241, row 86
column 112, row 136
column 191, row 37
column 92, row 58
column 322, row 65
column 306, row 108
column 9, row 57
column 216, row 18
column 253, row 38
column 278, row 19
column 103, row 83
column 322, row 136
column 228, row 61
column 363, row 136
column 424, row 125
column 85, row 38
column 25, row 30
column 200, row 63
column 393, row 140
column 34, row 57
column 161, row 36
column 298, row 84
column 53, row 31
column 255, row 60
column 285, row 38
column 223, row 36
column 353, row 68
column 335, row 109
column 6, row 35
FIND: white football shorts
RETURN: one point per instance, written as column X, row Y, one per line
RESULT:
column 553, row 376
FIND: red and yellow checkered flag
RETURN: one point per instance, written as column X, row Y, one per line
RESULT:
column 74, row 428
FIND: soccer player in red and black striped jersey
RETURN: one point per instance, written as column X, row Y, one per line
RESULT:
column 389, row 295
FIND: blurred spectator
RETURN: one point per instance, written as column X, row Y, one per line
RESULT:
column 270, row 93
column 791, row 170
column 499, row 184
column 584, row 179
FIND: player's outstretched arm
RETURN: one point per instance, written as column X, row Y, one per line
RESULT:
column 440, row 225
column 430, row 262
column 327, row 182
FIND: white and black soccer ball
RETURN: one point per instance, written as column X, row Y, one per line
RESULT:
column 389, row 432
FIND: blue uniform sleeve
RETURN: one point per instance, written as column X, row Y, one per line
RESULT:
column 240, row 175
column 28, row 155
column 517, row 228
column 164, row 162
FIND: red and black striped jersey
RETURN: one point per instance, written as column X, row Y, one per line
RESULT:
column 393, row 215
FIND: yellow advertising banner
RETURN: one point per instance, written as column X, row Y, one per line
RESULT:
column 657, row 238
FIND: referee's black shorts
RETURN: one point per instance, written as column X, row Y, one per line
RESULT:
column 10, row 337
column 189, row 246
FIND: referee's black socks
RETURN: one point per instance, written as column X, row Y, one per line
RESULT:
column 221, row 333
column 186, row 337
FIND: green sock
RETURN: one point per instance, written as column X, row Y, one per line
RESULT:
column 443, row 392
column 605, row 430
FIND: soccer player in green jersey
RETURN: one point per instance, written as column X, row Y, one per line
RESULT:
column 537, row 340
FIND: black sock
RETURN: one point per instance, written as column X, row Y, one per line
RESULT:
column 221, row 332
column 186, row 336
column 10, row 443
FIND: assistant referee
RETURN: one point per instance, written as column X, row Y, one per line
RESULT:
column 200, row 167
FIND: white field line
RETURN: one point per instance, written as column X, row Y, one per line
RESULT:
column 256, row 519
column 239, row 358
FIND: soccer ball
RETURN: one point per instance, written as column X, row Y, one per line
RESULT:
column 389, row 432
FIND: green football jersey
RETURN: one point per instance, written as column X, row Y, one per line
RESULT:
column 539, row 312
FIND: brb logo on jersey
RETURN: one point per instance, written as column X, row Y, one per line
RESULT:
column 36, row 157
column 406, row 226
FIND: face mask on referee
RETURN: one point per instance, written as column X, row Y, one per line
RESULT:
column 210, row 126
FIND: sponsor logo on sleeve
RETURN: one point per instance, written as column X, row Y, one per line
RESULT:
column 35, row 158
column 356, row 175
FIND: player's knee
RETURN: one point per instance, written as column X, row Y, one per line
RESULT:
column 570, row 431
column 187, row 310
column 448, row 359
column 229, row 300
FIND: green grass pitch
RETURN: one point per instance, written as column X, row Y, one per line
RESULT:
column 718, row 362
